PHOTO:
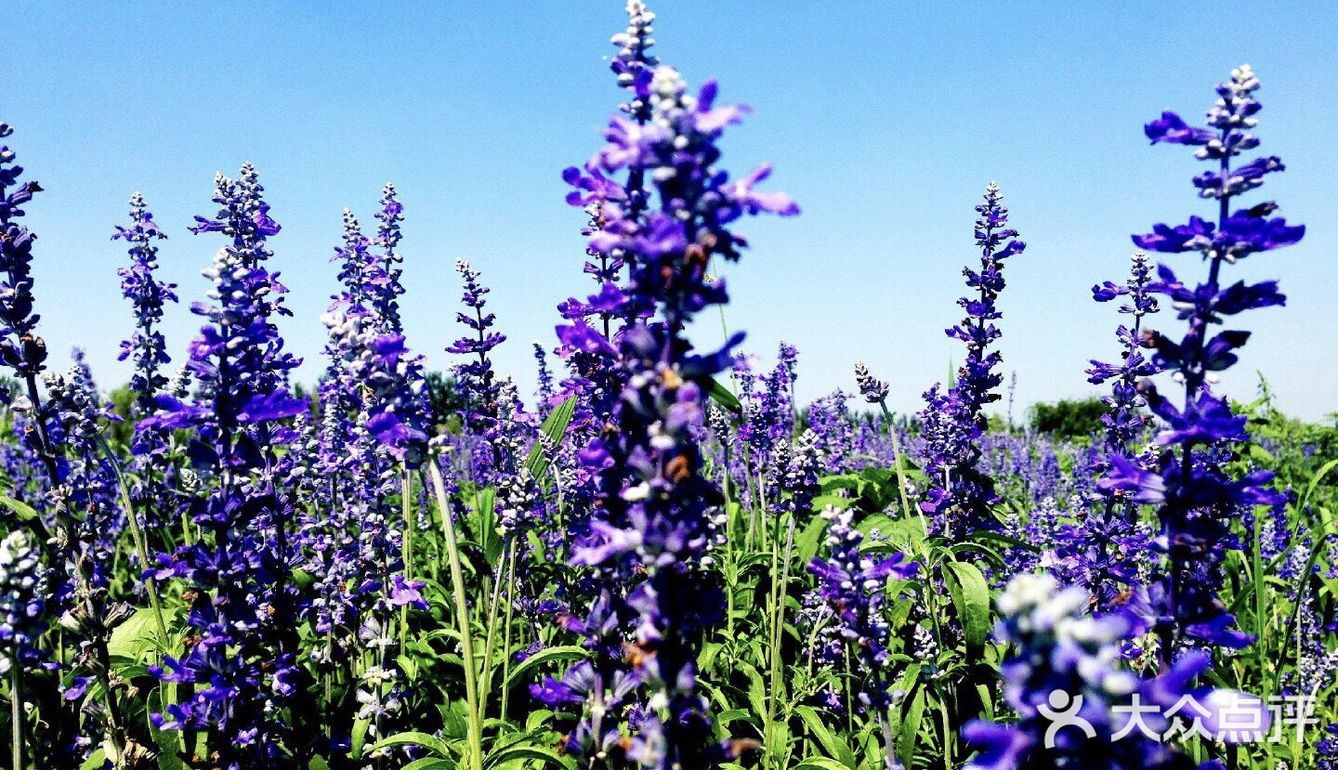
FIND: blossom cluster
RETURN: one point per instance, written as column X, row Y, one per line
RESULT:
column 666, row 558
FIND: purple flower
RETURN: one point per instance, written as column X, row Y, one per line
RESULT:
column 22, row 602
column 1066, row 665
column 245, row 607
column 653, row 509
column 384, row 274
column 854, row 586
column 1172, row 129
column 873, row 389
column 960, row 496
column 1187, row 480
column 147, row 294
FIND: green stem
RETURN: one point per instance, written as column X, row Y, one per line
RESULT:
column 778, row 624
column 506, row 628
column 899, row 460
column 489, row 644
column 406, row 545
column 730, row 536
column 475, row 723
column 16, row 716
column 947, row 735
column 889, row 743
column 141, row 546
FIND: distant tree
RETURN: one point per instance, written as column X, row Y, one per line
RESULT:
column 123, row 403
column 1068, row 419
column 446, row 400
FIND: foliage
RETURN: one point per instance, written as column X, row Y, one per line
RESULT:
column 663, row 560
column 1068, row 419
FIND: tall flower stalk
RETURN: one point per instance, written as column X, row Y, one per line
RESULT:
column 22, row 349
column 1195, row 496
column 387, row 271
column 80, row 521
column 855, row 587
column 1107, row 547
column 960, row 496
column 150, row 495
column 483, row 416
column 147, row 294
column 653, row 507
column 240, row 661
column 875, row 391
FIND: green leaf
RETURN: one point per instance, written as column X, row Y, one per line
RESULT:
column 545, row 755
column 485, row 507
column 359, row 736
column 1314, row 482
column 909, row 731
column 757, row 687
column 408, row 665
column 24, row 511
column 971, row 597
column 808, row 542
column 431, row 763
column 134, row 638
column 453, row 721
column 830, row 742
column 734, row 715
column 909, row 678
column 429, row 742
column 170, row 742
column 537, row 719
column 546, row 655
column 1261, row 455
column 554, row 427
column 302, row 578
column 95, row 760
column 820, row 763
column 835, row 501
column 722, row 396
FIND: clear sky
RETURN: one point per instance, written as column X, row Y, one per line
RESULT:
column 884, row 120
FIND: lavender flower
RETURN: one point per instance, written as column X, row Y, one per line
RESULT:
column 140, row 285
column 386, row 273
column 23, row 349
column 1106, row 546
column 1195, row 496
column 960, row 497
column 634, row 64
column 20, row 347
column 871, row 388
column 22, row 602
column 243, row 603
column 483, row 416
column 654, row 506
column 154, row 469
column 1067, row 663
column 1124, row 423
column 854, row 585
column 546, row 391
column 829, row 417
column 1326, row 750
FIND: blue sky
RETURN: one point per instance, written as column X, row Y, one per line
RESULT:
column 884, row 120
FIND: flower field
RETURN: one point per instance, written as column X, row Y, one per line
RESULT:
column 661, row 558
